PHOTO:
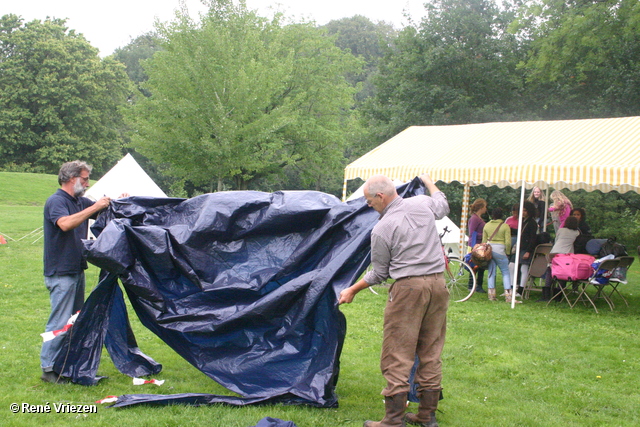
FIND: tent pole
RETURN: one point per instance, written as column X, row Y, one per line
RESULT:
column 344, row 190
column 463, row 219
column 546, row 208
column 516, row 270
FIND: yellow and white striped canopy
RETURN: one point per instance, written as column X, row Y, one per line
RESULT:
column 591, row 154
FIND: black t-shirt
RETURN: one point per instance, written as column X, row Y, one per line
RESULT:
column 584, row 228
column 63, row 250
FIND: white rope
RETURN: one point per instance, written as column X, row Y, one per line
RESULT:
column 34, row 232
column 8, row 237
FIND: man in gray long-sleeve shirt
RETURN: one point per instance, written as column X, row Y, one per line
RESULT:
column 406, row 247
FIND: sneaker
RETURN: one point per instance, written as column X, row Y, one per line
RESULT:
column 53, row 378
column 480, row 291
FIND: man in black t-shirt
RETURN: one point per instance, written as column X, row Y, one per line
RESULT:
column 65, row 225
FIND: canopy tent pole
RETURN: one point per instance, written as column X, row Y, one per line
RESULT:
column 546, row 208
column 344, row 191
column 516, row 270
column 463, row 218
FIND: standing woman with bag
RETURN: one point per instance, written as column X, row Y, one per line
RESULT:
column 498, row 235
column 476, row 225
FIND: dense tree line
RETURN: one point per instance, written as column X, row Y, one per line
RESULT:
column 240, row 101
column 58, row 100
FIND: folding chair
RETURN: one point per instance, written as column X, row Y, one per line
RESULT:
column 537, row 268
column 567, row 268
column 605, row 269
column 620, row 276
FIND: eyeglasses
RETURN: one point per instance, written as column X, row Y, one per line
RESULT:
column 370, row 200
column 84, row 179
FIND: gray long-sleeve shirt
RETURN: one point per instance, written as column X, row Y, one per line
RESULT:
column 405, row 241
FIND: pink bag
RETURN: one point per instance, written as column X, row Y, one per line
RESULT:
column 572, row 267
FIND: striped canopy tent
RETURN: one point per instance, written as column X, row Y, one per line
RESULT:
column 590, row 154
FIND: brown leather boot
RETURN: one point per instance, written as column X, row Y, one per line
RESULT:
column 394, row 407
column 492, row 294
column 426, row 416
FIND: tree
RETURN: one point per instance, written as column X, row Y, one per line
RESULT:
column 239, row 97
column 458, row 66
column 611, row 214
column 364, row 39
column 58, row 100
column 585, row 57
column 132, row 55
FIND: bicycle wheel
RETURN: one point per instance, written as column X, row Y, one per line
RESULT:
column 457, row 275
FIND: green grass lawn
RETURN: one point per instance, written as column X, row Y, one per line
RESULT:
column 535, row 365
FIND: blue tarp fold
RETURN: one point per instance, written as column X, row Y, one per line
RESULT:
column 243, row 285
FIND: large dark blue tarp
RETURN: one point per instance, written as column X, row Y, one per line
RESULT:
column 243, row 285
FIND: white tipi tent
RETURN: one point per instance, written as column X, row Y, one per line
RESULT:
column 125, row 177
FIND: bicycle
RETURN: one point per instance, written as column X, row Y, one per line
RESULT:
column 457, row 274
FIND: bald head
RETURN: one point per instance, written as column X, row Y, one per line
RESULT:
column 379, row 191
column 379, row 184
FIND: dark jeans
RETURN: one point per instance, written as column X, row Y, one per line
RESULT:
column 479, row 278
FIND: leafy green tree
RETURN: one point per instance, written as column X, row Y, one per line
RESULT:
column 365, row 39
column 141, row 48
column 611, row 214
column 58, row 100
column 132, row 56
column 585, row 57
column 237, row 97
column 458, row 66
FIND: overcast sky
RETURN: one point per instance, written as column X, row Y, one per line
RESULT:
column 113, row 23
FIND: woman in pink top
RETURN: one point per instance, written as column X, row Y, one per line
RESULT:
column 512, row 222
column 560, row 210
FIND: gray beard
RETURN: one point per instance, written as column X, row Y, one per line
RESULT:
column 78, row 189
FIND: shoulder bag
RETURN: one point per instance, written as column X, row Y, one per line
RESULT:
column 481, row 253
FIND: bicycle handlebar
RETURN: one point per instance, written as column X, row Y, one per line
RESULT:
column 445, row 230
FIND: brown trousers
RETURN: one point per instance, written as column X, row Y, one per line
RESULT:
column 415, row 323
